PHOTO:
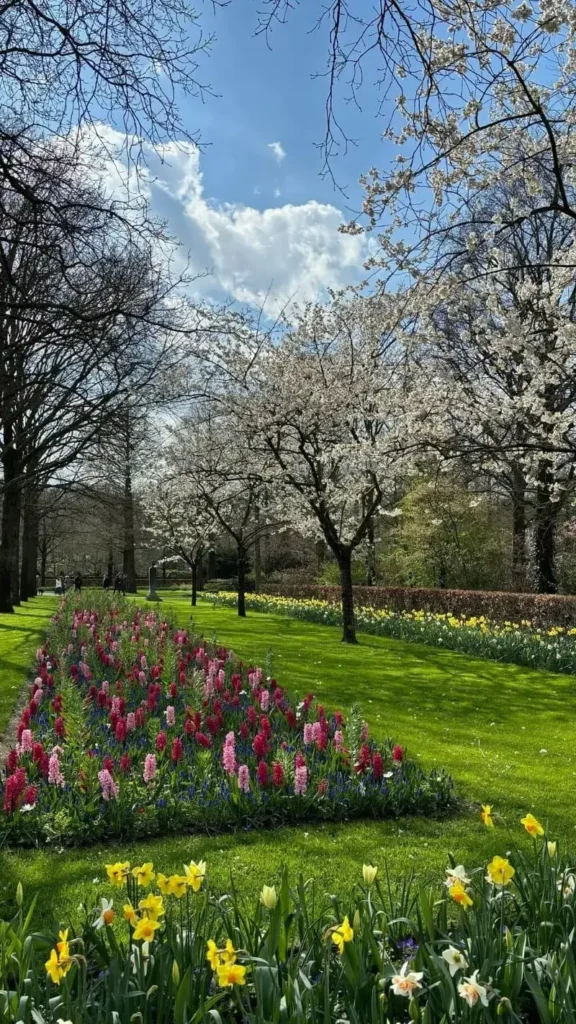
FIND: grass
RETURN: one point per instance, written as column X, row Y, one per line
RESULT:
column 20, row 635
column 487, row 723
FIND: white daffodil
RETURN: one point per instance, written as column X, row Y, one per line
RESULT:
column 567, row 885
column 406, row 983
column 455, row 959
column 455, row 875
column 472, row 991
column 107, row 915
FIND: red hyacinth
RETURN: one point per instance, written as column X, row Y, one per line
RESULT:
column 108, row 764
column 125, row 763
column 323, row 787
column 189, row 727
column 377, row 765
column 12, row 760
column 101, row 698
column 244, row 731
column 173, row 690
column 59, row 727
column 277, row 774
column 177, row 750
column 161, row 741
column 299, row 760
column 37, row 752
column 262, row 773
column 121, row 730
column 290, row 718
column 260, row 745
column 30, row 795
column 398, row 753
column 203, row 740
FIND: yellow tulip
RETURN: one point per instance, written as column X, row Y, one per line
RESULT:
column 268, row 897
column 500, row 871
column 551, row 849
column 532, row 825
column 369, row 872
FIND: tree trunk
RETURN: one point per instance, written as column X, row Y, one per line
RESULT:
column 129, row 556
column 30, row 534
column 241, row 561
column 370, row 554
column 545, row 541
column 10, row 523
column 320, row 548
column 344, row 556
column 194, row 581
column 211, row 564
column 257, row 564
column 43, row 558
column 519, row 528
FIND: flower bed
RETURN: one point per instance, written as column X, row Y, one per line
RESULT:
column 497, row 942
column 134, row 729
column 519, row 643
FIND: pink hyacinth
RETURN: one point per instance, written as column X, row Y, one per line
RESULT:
column 208, row 687
column 316, row 731
column 229, row 754
column 55, row 776
column 142, row 678
column 265, row 700
column 364, row 732
column 170, row 715
column 308, row 733
column 26, row 743
column 338, row 740
column 149, row 767
column 143, row 662
column 105, row 686
column 300, row 779
column 37, row 696
column 130, row 721
column 244, row 778
column 109, row 787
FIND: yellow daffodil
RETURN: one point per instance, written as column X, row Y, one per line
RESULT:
column 118, row 873
column 144, row 930
column 342, row 934
column 532, row 825
column 500, row 871
column 551, row 849
column 217, row 957
column 177, row 885
column 130, row 914
column 460, row 896
column 195, row 874
column 268, row 897
column 153, row 906
column 369, row 873
column 231, row 974
column 144, row 874
column 163, row 884
column 58, row 965
column 486, row 815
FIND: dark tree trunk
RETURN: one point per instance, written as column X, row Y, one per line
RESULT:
column 257, row 564
column 241, row 562
column 43, row 558
column 211, row 564
column 545, row 542
column 129, row 556
column 194, row 581
column 519, row 528
column 371, row 553
column 344, row 556
column 320, row 548
column 10, row 522
column 30, row 536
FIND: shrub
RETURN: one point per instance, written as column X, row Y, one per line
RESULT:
column 497, row 943
column 134, row 729
column 542, row 610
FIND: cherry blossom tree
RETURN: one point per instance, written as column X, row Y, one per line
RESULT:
column 325, row 410
column 180, row 519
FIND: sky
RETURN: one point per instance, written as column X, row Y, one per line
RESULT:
column 250, row 205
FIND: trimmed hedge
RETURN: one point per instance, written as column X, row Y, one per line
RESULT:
column 542, row 610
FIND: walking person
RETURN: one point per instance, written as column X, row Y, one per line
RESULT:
column 106, row 582
column 78, row 583
column 117, row 583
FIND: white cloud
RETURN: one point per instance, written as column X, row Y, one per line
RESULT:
column 263, row 257
column 278, row 151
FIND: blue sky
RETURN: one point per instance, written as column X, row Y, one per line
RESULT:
column 250, row 205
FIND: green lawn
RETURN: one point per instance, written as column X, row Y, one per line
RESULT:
column 488, row 724
column 20, row 635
